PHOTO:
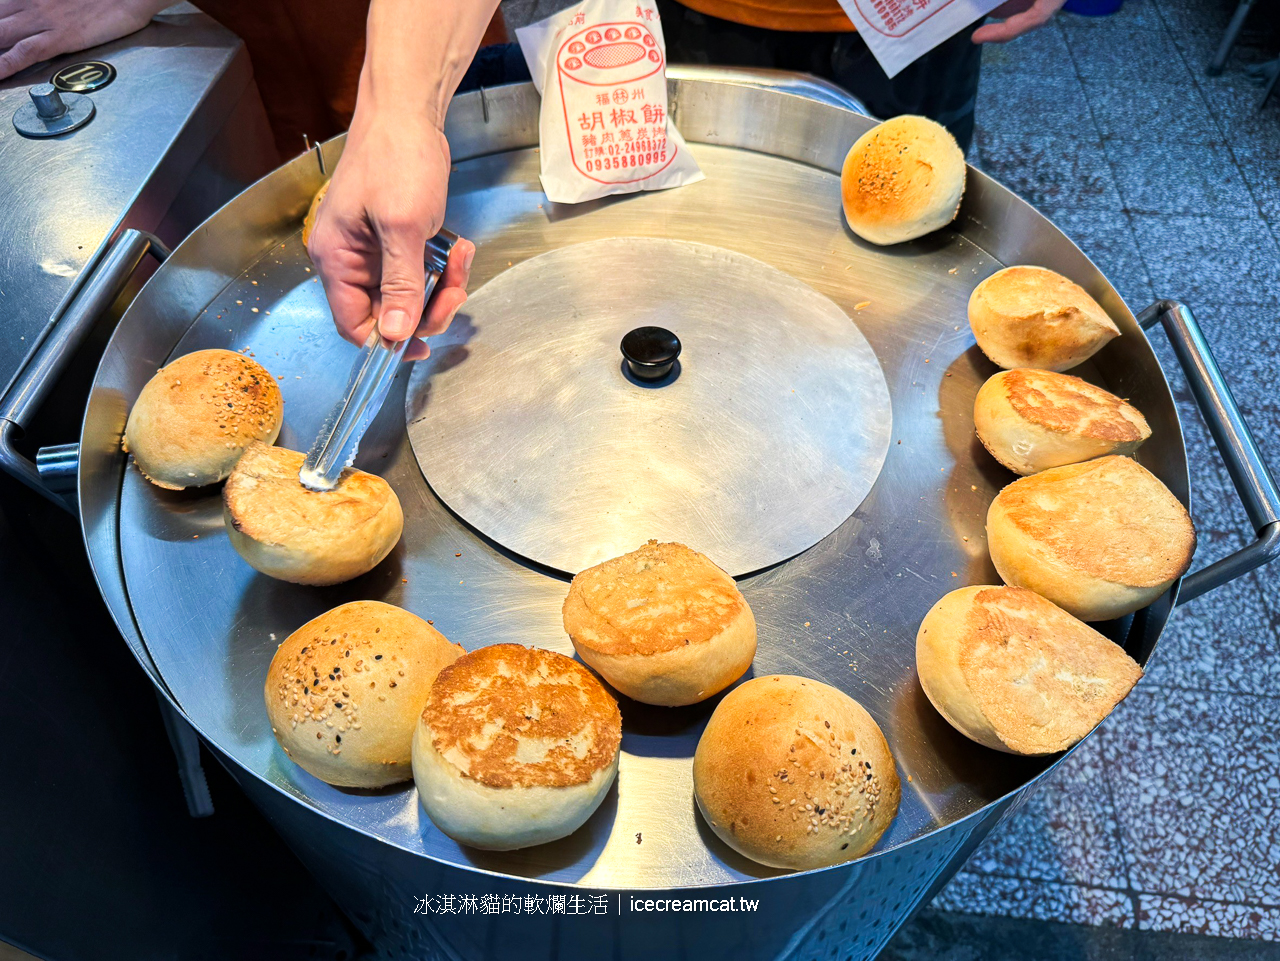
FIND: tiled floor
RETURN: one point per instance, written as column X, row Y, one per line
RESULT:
column 1169, row 819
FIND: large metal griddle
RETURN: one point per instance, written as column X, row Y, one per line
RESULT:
column 844, row 611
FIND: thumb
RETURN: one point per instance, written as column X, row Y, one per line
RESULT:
column 402, row 285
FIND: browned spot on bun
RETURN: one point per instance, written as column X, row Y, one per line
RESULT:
column 655, row 599
column 1042, row 678
column 512, row 716
column 1064, row 403
column 1110, row 518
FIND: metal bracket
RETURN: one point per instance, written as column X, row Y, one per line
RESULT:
column 1249, row 473
column 47, row 362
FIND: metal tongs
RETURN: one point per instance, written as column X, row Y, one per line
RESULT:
column 335, row 447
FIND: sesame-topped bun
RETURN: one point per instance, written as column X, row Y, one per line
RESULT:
column 1099, row 539
column 516, row 746
column 1031, row 420
column 1032, row 317
column 1014, row 672
column 902, row 179
column 344, row 691
column 194, row 418
column 662, row 624
column 309, row 221
column 795, row 774
column 289, row 532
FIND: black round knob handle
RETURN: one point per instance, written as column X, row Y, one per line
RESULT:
column 651, row 352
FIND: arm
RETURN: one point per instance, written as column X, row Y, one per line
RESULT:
column 1020, row 16
column 387, row 197
column 35, row 30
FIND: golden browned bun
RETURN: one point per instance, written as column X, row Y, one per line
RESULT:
column 662, row 624
column 194, row 418
column 1032, row 317
column 794, row 774
column 1031, row 420
column 902, row 179
column 1014, row 672
column 344, row 691
column 289, row 532
column 516, row 746
column 309, row 221
column 1099, row 539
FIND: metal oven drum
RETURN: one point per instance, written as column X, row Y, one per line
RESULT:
column 839, row 583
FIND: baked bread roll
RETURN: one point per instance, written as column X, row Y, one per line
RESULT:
column 309, row 221
column 1031, row 420
column 1032, row 317
column 194, row 418
column 662, row 624
column 289, row 532
column 1099, row 539
column 345, row 690
column 1014, row 672
column 794, row 774
column 902, row 179
column 516, row 746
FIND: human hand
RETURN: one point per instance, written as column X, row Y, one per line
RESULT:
column 35, row 30
column 386, row 199
column 1019, row 17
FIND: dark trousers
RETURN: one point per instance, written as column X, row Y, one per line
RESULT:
column 941, row 85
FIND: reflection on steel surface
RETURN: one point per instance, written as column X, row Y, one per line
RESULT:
column 768, row 436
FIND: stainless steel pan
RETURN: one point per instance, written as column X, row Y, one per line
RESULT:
column 204, row 626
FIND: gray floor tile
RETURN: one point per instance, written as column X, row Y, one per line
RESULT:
column 1040, row 900
column 1223, row 641
column 1199, row 46
column 1233, row 100
column 1214, row 918
column 1209, row 259
column 1049, row 171
column 1022, row 104
column 1179, row 178
column 1066, row 831
column 1107, row 238
column 1153, row 113
column 1040, row 53
column 1260, row 167
column 1196, row 16
column 1196, row 781
column 1110, row 52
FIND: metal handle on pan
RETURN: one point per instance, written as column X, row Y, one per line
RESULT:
column 1252, row 478
column 53, row 472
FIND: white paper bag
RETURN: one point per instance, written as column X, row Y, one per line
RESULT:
column 601, row 69
column 899, row 32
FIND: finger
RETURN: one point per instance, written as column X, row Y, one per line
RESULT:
column 21, row 55
column 404, row 278
column 457, row 272
column 13, row 29
column 418, row 350
column 1015, row 26
column 353, row 310
column 440, row 312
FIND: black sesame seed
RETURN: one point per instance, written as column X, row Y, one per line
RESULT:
column 377, row 657
column 338, row 738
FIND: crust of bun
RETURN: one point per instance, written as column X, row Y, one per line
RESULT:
column 195, row 417
column 309, row 221
column 294, row 534
column 345, row 690
column 902, row 179
column 1099, row 539
column 1016, row 673
column 795, row 774
column 1031, row 420
column 516, row 746
column 662, row 624
column 1033, row 317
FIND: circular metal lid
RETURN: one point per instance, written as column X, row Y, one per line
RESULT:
column 763, row 439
